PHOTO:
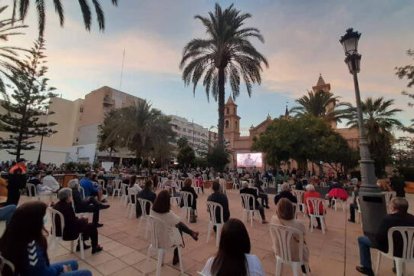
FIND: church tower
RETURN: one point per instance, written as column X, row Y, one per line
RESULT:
column 325, row 87
column 231, row 122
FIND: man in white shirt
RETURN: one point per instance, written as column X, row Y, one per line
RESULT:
column 49, row 184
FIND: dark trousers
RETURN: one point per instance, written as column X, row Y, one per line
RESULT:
column 183, row 229
column 265, row 199
column 93, row 207
column 90, row 231
column 13, row 197
column 352, row 208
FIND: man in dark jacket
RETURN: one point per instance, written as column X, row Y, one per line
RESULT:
column 247, row 190
column 398, row 217
column 74, row 225
column 285, row 193
column 221, row 199
column 147, row 194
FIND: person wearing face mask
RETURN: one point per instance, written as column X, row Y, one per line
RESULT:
column 25, row 246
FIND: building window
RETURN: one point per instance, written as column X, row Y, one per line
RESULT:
column 227, row 124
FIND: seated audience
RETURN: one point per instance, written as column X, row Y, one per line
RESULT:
column 90, row 188
column 87, row 205
column 399, row 216
column 187, row 188
column 25, row 245
column 218, row 197
column 285, row 215
column 35, row 179
column 171, row 186
column 311, row 193
column 7, row 212
column 247, row 190
column 170, row 232
column 262, row 194
column 146, row 193
column 74, row 225
column 49, row 184
column 285, row 193
column 233, row 256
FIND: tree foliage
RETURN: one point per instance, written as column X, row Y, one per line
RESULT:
column 225, row 55
column 21, row 7
column 218, row 158
column 303, row 139
column 140, row 128
column 186, row 154
column 379, row 122
column 30, row 98
column 407, row 72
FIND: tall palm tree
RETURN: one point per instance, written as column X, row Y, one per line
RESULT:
column 226, row 54
column 379, row 122
column 22, row 6
column 319, row 104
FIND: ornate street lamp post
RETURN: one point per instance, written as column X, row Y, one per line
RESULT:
column 372, row 201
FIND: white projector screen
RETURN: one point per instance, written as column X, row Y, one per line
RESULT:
column 249, row 160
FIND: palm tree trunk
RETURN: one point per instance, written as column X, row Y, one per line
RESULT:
column 221, row 95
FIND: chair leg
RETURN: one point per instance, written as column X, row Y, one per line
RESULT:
column 295, row 269
column 181, row 261
column 159, row 261
column 218, row 235
column 251, row 218
column 278, row 267
column 378, row 263
column 399, row 265
column 72, row 246
column 323, row 224
column 311, row 223
column 82, row 250
column 209, row 231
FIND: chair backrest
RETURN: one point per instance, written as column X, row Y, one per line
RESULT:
column 314, row 204
column 54, row 214
column 186, row 198
column 407, row 236
column 214, row 208
column 124, row 188
column 299, row 195
column 132, row 194
column 31, row 188
column 248, row 201
column 82, row 192
column 144, row 203
column 5, row 262
column 257, row 190
column 116, row 183
column 282, row 241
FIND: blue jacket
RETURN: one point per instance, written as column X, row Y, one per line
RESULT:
column 37, row 264
column 88, row 187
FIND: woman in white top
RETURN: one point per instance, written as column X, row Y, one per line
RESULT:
column 169, row 232
column 233, row 256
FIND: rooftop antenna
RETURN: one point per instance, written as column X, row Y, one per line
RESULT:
column 122, row 70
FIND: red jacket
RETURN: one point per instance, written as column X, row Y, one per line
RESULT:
column 309, row 208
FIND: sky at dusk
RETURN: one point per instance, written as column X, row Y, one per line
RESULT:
column 301, row 42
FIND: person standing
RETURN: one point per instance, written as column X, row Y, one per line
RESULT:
column 16, row 181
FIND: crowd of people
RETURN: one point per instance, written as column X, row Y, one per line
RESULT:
column 24, row 241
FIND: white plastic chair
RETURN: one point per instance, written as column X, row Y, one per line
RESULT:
column 187, row 199
column 132, row 201
column 154, row 246
column 144, row 214
column 407, row 236
column 314, row 204
column 55, row 238
column 32, row 190
column 236, row 186
column 82, row 192
column 197, row 188
column 124, row 196
column 116, row 187
column 337, row 202
column 282, row 240
column 300, row 205
column 4, row 262
column 212, row 209
column 249, row 207
column 257, row 190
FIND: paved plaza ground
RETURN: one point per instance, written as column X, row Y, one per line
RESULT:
column 335, row 253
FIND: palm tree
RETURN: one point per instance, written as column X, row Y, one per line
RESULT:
column 226, row 54
column 319, row 104
column 23, row 6
column 379, row 122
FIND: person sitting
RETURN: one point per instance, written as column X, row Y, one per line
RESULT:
column 74, row 225
column 247, row 190
column 35, row 179
column 262, row 194
column 285, row 193
column 24, row 244
column 399, row 216
column 220, row 198
column 285, row 215
column 90, row 188
column 87, row 205
column 7, row 212
column 170, row 232
column 146, row 193
column 171, row 186
column 300, row 184
column 187, row 188
column 233, row 256
column 311, row 193
column 49, row 184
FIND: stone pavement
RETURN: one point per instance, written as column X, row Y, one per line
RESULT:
column 335, row 253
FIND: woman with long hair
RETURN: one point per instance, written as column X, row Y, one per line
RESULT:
column 233, row 256
column 170, row 231
column 25, row 245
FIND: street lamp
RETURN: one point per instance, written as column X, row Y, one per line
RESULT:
column 372, row 201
